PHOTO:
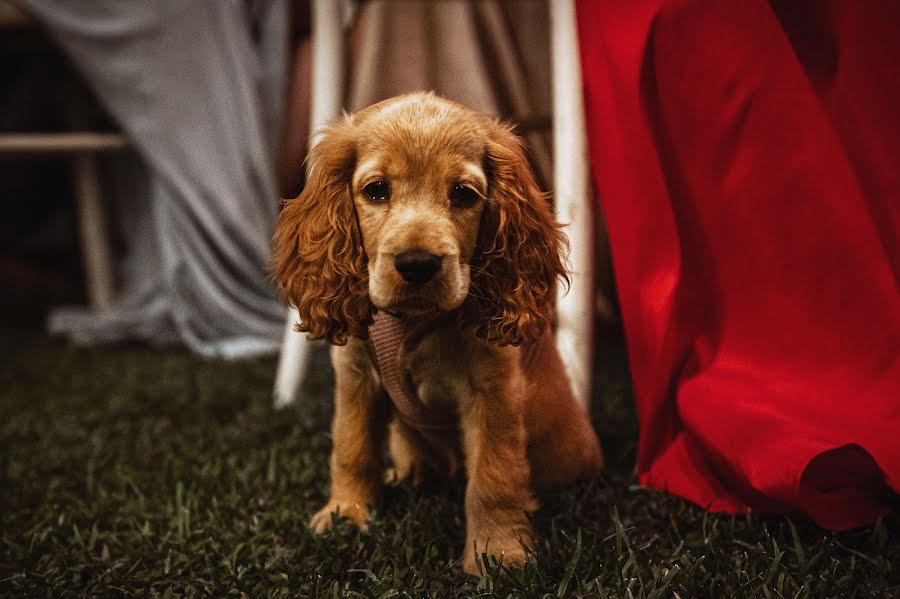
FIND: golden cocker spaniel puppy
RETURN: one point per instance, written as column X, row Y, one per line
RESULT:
column 423, row 250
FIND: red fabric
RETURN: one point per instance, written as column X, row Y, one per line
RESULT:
column 747, row 157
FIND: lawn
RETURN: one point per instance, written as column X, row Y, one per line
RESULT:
column 149, row 472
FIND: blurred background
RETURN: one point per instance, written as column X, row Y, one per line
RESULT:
column 145, row 147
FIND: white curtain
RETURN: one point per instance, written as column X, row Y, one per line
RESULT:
column 197, row 87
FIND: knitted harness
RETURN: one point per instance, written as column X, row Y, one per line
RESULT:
column 390, row 336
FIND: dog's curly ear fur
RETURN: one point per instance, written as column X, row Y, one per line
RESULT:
column 318, row 261
column 520, row 248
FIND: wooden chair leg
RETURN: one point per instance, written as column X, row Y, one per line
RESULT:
column 293, row 362
column 95, row 245
column 575, row 310
column 327, row 100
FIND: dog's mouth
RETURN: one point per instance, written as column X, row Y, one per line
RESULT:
column 415, row 300
column 419, row 300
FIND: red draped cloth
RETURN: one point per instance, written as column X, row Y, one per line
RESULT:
column 747, row 159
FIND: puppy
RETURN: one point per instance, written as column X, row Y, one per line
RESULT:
column 423, row 250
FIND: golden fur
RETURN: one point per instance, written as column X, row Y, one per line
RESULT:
column 496, row 366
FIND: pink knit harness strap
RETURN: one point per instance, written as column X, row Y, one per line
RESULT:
column 389, row 337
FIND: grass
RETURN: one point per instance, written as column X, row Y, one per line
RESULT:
column 154, row 473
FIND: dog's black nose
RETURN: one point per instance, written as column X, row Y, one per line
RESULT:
column 417, row 266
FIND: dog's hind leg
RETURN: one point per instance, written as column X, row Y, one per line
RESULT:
column 409, row 453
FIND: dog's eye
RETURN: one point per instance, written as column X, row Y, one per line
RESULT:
column 377, row 191
column 463, row 196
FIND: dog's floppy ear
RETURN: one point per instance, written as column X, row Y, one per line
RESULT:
column 318, row 260
column 520, row 246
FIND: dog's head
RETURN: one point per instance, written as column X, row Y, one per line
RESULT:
column 417, row 205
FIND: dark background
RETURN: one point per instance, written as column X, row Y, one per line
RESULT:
column 40, row 259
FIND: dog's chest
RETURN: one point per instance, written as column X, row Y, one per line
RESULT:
column 439, row 369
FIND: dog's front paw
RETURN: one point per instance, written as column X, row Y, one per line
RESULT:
column 510, row 551
column 356, row 513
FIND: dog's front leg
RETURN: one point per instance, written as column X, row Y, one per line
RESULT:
column 498, row 494
column 358, row 432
